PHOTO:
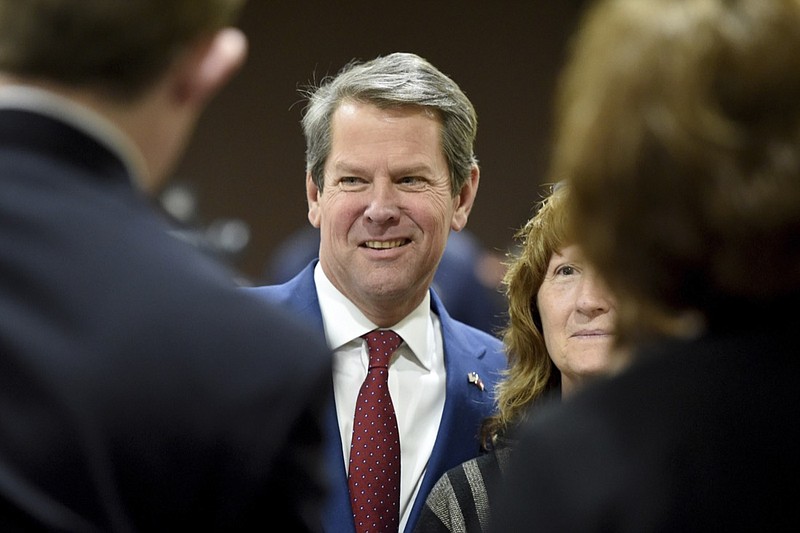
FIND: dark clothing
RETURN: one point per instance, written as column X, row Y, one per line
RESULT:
column 139, row 388
column 462, row 498
column 697, row 435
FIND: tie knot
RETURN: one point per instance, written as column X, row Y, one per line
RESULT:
column 381, row 344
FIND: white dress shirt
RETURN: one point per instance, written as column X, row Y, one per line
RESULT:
column 416, row 379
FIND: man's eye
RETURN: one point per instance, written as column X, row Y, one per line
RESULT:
column 351, row 182
column 412, row 181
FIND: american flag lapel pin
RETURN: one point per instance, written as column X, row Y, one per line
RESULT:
column 475, row 379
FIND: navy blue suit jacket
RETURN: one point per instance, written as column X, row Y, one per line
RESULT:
column 466, row 349
column 140, row 388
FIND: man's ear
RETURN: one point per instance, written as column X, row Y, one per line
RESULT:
column 312, row 195
column 208, row 65
column 465, row 200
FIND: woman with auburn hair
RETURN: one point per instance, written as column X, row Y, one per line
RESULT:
column 559, row 335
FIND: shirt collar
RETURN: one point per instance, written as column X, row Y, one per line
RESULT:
column 80, row 117
column 344, row 322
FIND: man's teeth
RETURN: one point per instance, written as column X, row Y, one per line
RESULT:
column 383, row 244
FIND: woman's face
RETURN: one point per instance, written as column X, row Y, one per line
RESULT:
column 578, row 315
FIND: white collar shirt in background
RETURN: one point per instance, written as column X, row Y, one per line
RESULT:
column 416, row 379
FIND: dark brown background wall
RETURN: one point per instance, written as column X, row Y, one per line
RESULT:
column 246, row 159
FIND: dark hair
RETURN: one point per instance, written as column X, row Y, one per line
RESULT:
column 119, row 46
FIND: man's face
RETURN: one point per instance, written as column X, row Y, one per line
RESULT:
column 387, row 208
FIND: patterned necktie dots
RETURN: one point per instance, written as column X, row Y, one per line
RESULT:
column 374, row 470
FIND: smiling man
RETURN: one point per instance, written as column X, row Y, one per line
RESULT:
column 390, row 172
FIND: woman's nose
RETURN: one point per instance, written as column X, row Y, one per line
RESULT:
column 593, row 297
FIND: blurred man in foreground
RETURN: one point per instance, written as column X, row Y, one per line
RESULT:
column 140, row 389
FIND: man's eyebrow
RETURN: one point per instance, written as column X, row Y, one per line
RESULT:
column 345, row 167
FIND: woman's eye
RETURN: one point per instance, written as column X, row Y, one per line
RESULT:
column 566, row 270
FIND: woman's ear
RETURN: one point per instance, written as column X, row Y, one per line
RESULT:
column 209, row 64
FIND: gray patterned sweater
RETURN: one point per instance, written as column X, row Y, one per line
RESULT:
column 461, row 499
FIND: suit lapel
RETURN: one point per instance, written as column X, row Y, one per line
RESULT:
column 465, row 402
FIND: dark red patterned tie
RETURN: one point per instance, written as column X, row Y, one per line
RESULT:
column 374, row 477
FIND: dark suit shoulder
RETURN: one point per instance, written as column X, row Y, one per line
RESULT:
column 693, row 436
